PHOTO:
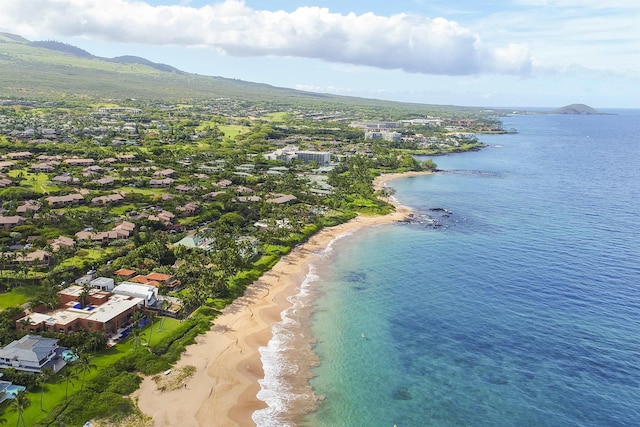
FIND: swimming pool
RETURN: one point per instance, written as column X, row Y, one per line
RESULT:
column 69, row 356
column 13, row 390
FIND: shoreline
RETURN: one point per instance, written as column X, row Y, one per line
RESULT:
column 227, row 359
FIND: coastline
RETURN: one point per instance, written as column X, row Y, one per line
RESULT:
column 227, row 358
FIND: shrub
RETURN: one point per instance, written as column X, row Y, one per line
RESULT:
column 125, row 383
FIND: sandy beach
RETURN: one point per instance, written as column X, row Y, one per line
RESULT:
column 227, row 360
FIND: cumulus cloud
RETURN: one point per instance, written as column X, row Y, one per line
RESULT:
column 411, row 43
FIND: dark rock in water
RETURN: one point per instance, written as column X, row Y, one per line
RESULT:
column 402, row 394
column 577, row 109
column 355, row 277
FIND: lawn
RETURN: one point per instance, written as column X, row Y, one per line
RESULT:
column 17, row 296
column 55, row 388
column 123, row 209
column 89, row 256
column 231, row 131
column 39, row 182
column 277, row 117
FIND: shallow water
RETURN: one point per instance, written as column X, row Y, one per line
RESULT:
column 515, row 301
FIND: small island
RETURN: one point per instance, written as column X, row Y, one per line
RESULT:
column 577, row 109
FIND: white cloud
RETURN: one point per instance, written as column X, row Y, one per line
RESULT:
column 411, row 43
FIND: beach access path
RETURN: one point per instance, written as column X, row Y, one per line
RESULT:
column 226, row 358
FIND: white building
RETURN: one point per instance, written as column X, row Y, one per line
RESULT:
column 384, row 135
column 291, row 152
column 147, row 293
column 103, row 283
column 32, row 353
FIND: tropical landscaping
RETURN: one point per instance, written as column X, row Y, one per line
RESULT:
column 189, row 198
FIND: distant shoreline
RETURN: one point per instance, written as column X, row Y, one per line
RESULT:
column 227, row 358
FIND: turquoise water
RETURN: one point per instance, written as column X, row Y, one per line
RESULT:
column 514, row 301
column 13, row 390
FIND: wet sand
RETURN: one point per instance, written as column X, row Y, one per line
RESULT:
column 227, row 359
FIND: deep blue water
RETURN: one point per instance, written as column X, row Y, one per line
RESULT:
column 521, row 308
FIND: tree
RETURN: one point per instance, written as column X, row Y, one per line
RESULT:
column 41, row 379
column 67, row 376
column 137, row 338
column 86, row 288
column 137, row 317
column 19, row 404
column 152, row 318
column 95, row 341
column 83, row 365
column 164, row 306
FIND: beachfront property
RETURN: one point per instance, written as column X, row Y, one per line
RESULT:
column 32, row 353
column 94, row 310
column 147, row 294
column 105, row 284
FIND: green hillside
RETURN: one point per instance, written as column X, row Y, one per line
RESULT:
column 53, row 70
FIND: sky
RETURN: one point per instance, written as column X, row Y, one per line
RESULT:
column 493, row 53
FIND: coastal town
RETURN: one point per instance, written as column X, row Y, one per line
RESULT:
column 110, row 212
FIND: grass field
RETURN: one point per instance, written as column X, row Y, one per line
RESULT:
column 38, row 182
column 232, row 131
column 17, row 296
column 55, row 388
column 277, row 117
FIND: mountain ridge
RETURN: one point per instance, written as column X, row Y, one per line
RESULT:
column 51, row 70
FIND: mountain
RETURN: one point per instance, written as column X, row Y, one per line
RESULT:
column 62, row 47
column 54, row 70
column 128, row 59
column 580, row 109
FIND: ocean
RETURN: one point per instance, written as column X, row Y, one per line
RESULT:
column 512, row 300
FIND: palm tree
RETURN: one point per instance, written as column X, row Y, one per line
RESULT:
column 84, row 365
column 152, row 318
column 137, row 317
column 95, row 341
column 164, row 306
column 137, row 338
column 19, row 404
column 42, row 378
column 67, row 375
column 86, row 289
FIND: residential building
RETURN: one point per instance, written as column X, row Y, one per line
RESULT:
column 61, row 242
column 32, row 353
column 30, row 206
column 69, row 199
column 8, row 222
column 105, row 284
column 147, row 293
column 79, row 162
column 322, row 158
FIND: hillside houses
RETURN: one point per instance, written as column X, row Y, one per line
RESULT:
column 61, row 201
column 29, row 207
column 8, row 222
column 79, row 162
column 108, row 199
column 121, row 230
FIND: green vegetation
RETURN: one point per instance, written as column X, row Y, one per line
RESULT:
column 214, row 180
